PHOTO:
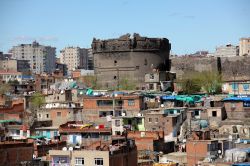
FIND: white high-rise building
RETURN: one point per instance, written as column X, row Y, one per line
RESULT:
column 245, row 46
column 41, row 58
column 74, row 58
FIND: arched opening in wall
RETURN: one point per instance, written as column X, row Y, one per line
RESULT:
column 115, row 62
column 115, row 77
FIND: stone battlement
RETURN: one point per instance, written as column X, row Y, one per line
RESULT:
column 128, row 43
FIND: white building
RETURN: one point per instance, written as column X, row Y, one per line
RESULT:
column 227, row 51
column 41, row 58
column 245, row 46
column 74, row 58
column 7, row 76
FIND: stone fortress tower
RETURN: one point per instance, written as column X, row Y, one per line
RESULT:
column 129, row 57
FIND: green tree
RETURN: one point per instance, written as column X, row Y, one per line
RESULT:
column 13, row 82
column 89, row 81
column 211, row 82
column 37, row 99
column 4, row 88
column 190, row 83
column 126, row 84
column 207, row 81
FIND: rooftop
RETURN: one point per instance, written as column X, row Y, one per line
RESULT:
column 79, row 127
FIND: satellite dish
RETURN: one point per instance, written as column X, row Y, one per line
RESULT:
column 138, row 114
column 162, row 105
column 64, row 149
column 70, row 148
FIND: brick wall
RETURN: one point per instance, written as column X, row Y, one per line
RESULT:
column 164, row 123
column 145, row 140
column 198, row 150
column 14, row 112
column 58, row 120
column 235, row 110
column 12, row 154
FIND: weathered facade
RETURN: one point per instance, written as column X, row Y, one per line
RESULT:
column 231, row 68
column 129, row 57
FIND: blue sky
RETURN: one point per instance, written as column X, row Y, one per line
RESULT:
column 190, row 25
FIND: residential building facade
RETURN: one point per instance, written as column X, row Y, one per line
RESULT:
column 41, row 58
column 245, row 46
column 99, row 108
column 227, row 51
column 15, row 65
column 74, row 58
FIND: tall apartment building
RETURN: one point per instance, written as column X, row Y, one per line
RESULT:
column 90, row 59
column 41, row 58
column 245, row 46
column 227, row 51
column 74, row 58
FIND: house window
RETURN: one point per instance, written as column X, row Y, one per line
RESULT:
column 47, row 115
column 149, row 120
column 79, row 161
column 58, row 114
column 197, row 113
column 151, row 86
column 139, row 121
column 152, row 76
column 104, row 103
column 131, row 102
column 117, row 123
column 156, row 120
column 98, row 161
column 235, row 86
column 39, row 115
column 246, row 87
column 63, row 160
column 105, row 113
column 55, row 133
column 214, row 113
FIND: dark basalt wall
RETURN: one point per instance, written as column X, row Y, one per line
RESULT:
column 129, row 57
column 231, row 68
